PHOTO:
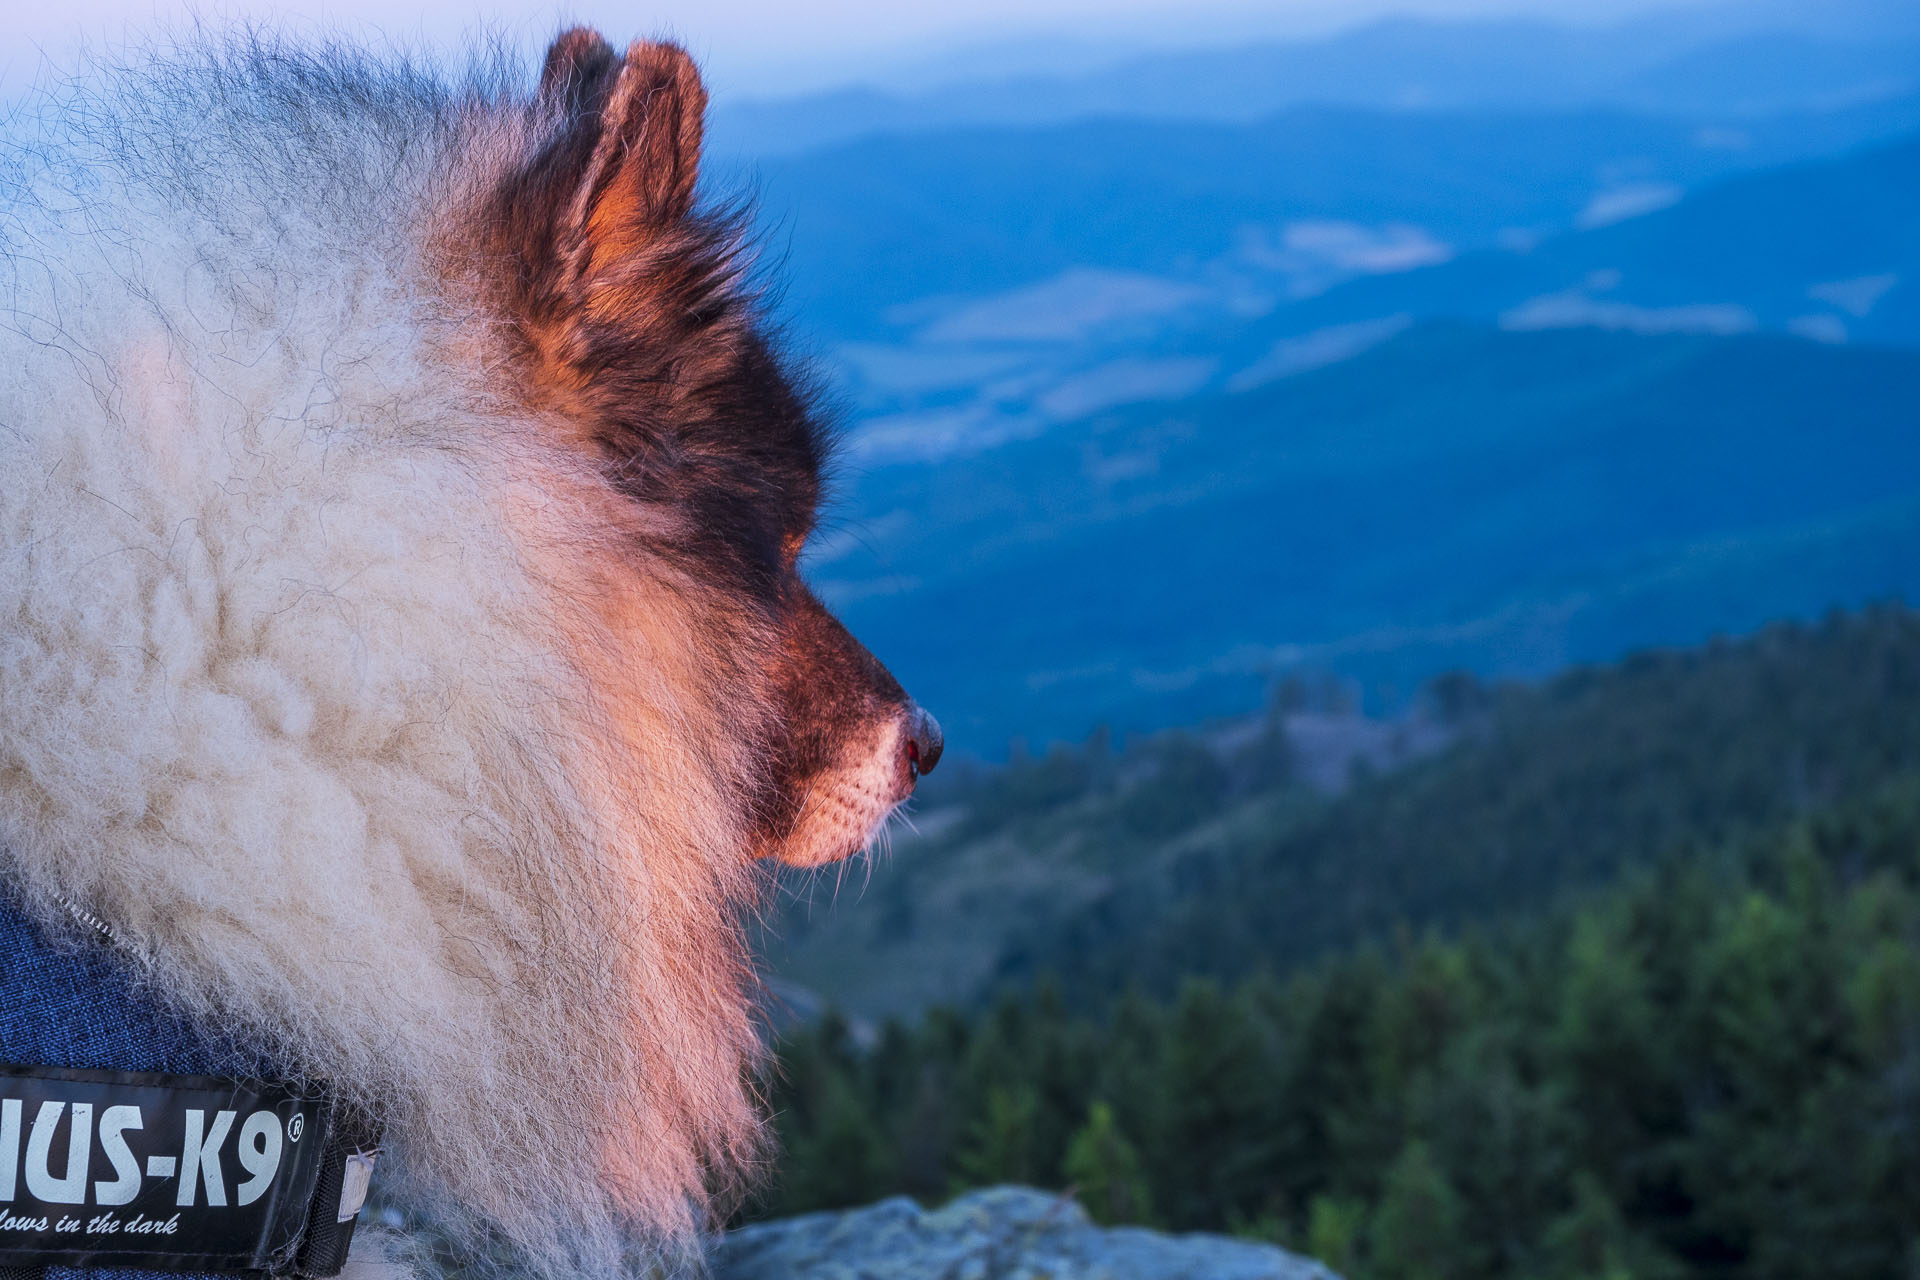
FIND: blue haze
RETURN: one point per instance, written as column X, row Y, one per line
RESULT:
column 1164, row 380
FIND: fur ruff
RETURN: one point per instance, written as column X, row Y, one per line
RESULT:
column 338, row 682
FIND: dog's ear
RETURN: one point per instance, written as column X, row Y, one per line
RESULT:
column 577, row 72
column 619, row 286
column 640, row 176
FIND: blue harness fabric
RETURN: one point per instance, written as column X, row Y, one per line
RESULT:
column 66, row 1003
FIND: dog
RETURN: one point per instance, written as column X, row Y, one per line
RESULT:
column 405, row 650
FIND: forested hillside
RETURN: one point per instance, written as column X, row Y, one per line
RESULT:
column 1626, row 982
column 1211, row 854
column 1712, row 1070
column 1552, row 788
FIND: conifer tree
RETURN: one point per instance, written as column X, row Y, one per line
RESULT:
column 1219, row 1086
column 999, row 1145
column 1104, row 1170
column 1415, row 1233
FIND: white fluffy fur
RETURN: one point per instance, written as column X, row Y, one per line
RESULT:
column 321, row 677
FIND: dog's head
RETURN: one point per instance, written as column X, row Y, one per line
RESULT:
column 639, row 344
column 412, row 658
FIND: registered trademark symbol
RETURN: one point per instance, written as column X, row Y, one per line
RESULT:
column 296, row 1126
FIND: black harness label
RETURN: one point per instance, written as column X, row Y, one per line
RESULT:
column 116, row 1168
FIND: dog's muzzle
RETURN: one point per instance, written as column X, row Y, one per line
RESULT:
column 131, row 1139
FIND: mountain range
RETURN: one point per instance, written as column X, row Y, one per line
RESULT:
column 1742, row 58
column 1456, row 496
column 1144, row 409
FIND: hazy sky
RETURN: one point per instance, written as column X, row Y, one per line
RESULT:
column 768, row 47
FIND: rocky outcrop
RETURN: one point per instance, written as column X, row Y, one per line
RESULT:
column 1001, row 1233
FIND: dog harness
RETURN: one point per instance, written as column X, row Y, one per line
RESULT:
column 135, row 1145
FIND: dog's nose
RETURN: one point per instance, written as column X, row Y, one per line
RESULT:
column 923, row 740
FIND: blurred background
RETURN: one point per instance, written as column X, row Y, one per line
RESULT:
column 1404, row 512
column 1404, row 521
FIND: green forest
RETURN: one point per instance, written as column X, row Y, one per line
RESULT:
column 1624, row 983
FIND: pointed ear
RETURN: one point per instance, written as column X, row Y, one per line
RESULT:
column 641, row 175
column 590, row 244
column 578, row 66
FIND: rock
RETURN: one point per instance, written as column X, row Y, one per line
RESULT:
column 1000, row 1233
